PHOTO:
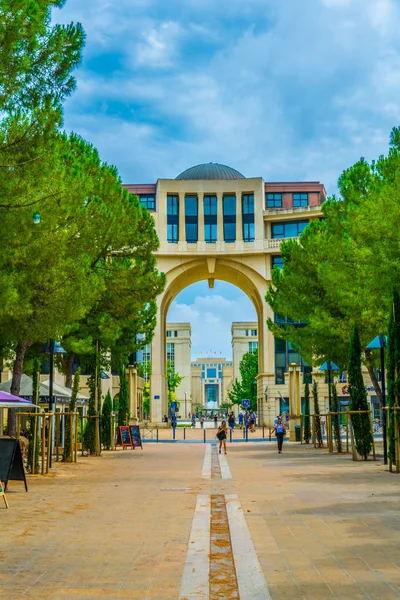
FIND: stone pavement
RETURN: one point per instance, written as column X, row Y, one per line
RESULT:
column 121, row 526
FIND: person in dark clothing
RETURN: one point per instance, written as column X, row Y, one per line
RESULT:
column 280, row 431
column 215, row 421
column 221, row 435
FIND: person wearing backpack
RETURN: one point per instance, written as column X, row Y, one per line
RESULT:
column 280, row 431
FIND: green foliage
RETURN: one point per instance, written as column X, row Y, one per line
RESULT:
column 69, row 423
column 393, row 376
column 106, row 422
column 89, row 434
column 123, row 397
column 336, row 418
column 358, row 398
column 317, row 418
column 342, row 269
column 173, row 381
column 246, row 388
column 34, row 439
column 307, row 420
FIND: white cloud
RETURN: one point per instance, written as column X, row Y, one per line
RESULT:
column 287, row 90
column 211, row 319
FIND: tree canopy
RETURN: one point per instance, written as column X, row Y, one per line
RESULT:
column 246, row 388
column 342, row 269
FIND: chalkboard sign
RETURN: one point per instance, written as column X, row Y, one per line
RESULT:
column 11, row 463
column 135, row 435
column 125, row 435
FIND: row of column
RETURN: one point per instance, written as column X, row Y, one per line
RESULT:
column 220, row 218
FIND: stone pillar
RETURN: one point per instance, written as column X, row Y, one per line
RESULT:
column 158, row 381
column 239, row 224
column 182, row 228
column 132, row 389
column 294, row 398
column 200, row 218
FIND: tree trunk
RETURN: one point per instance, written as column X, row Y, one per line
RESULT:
column 22, row 347
column 68, row 370
column 375, row 383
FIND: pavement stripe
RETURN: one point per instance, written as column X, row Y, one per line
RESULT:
column 195, row 579
column 223, row 582
column 251, row 582
column 224, row 466
column 206, row 472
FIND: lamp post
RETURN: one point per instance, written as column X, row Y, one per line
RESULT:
column 51, row 348
column 329, row 366
column 185, row 405
column 380, row 342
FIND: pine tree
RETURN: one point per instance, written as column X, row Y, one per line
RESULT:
column 336, row 418
column 34, row 440
column 307, row 422
column 358, row 398
column 123, row 397
column 69, row 428
column 393, row 377
column 318, row 428
column 106, row 422
column 89, row 435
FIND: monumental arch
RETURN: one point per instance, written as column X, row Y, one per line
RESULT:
column 214, row 223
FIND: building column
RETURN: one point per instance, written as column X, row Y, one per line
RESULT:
column 220, row 219
column 239, row 225
column 158, row 380
column 133, row 400
column 182, row 228
column 200, row 218
column 294, row 399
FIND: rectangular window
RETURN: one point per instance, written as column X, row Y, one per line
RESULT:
column 300, row 200
column 210, row 219
column 148, row 201
column 253, row 347
column 211, row 373
column 288, row 229
column 277, row 261
column 175, row 333
column 247, row 332
column 229, row 212
column 172, row 219
column 254, row 332
column 171, row 355
column 274, row 200
column 169, row 333
column 248, row 217
column 191, row 219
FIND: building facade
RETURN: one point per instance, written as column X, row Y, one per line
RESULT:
column 214, row 223
column 211, row 379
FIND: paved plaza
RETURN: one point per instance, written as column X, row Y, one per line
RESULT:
column 180, row 521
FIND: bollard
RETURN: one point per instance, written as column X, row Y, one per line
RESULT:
column 204, row 435
column 184, row 433
column 157, row 435
column 173, row 433
column 230, row 435
column 263, row 432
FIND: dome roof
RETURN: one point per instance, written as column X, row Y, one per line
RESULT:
column 210, row 171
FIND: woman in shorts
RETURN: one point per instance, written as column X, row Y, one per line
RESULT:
column 221, row 435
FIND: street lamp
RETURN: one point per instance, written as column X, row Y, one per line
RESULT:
column 329, row 366
column 185, row 405
column 51, row 347
column 380, row 342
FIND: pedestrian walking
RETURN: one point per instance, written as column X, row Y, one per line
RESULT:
column 280, row 431
column 231, row 421
column 201, row 422
column 241, row 420
column 193, row 421
column 221, row 435
column 215, row 421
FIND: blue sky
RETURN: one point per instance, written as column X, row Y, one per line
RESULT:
column 283, row 89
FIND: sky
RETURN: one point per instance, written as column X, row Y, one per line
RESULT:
column 287, row 90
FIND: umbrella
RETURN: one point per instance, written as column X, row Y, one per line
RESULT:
column 9, row 401
column 25, row 388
